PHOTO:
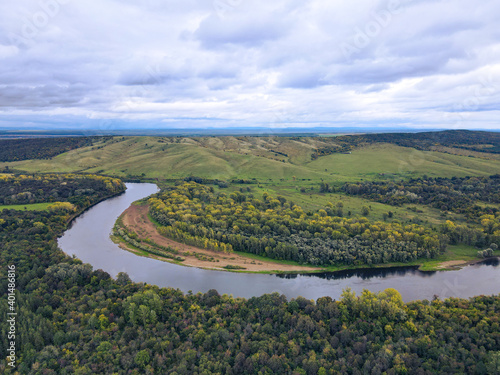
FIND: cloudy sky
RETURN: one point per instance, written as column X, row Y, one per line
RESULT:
column 222, row 63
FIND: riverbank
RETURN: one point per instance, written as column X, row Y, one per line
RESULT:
column 89, row 240
column 136, row 220
column 78, row 213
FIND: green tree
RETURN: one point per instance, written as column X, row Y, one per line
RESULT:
column 142, row 358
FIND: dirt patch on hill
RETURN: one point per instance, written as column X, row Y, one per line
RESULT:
column 136, row 219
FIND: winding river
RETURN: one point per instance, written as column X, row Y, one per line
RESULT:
column 88, row 239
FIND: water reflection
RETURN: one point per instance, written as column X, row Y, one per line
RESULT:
column 362, row 273
column 495, row 262
column 89, row 240
column 370, row 273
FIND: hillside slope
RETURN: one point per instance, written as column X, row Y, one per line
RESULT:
column 262, row 158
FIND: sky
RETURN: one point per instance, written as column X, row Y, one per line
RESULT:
column 109, row 64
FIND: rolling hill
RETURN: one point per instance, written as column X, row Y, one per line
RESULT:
column 261, row 158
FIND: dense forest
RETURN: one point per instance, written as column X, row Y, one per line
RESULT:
column 474, row 197
column 463, row 139
column 273, row 227
column 76, row 320
column 448, row 194
column 80, row 190
column 41, row 148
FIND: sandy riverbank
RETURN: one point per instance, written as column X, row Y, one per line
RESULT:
column 136, row 220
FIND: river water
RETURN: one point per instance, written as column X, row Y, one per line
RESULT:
column 88, row 239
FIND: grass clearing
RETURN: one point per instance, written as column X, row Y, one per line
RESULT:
column 313, row 201
column 376, row 161
column 454, row 253
column 27, row 207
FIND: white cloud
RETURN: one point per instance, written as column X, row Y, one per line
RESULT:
column 328, row 63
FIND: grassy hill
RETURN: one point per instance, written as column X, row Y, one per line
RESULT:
column 154, row 158
column 373, row 160
column 277, row 159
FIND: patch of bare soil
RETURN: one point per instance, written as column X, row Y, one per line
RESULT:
column 453, row 263
column 136, row 219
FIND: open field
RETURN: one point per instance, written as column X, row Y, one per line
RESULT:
column 455, row 256
column 312, row 200
column 386, row 161
column 26, row 207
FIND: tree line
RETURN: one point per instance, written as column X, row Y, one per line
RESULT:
column 77, row 189
column 474, row 197
column 42, row 148
column 279, row 229
column 478, row 141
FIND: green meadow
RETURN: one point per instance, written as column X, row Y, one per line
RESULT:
column 385, row 160
column 268, row 160
column 26, row 207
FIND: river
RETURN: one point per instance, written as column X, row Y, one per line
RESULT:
column 88, row 239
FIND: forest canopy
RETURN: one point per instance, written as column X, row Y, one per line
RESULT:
column 474, row 197
column 477, row 141
column 41, row 148
column 80, row 190
column 76, row 320
column 279, row 229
